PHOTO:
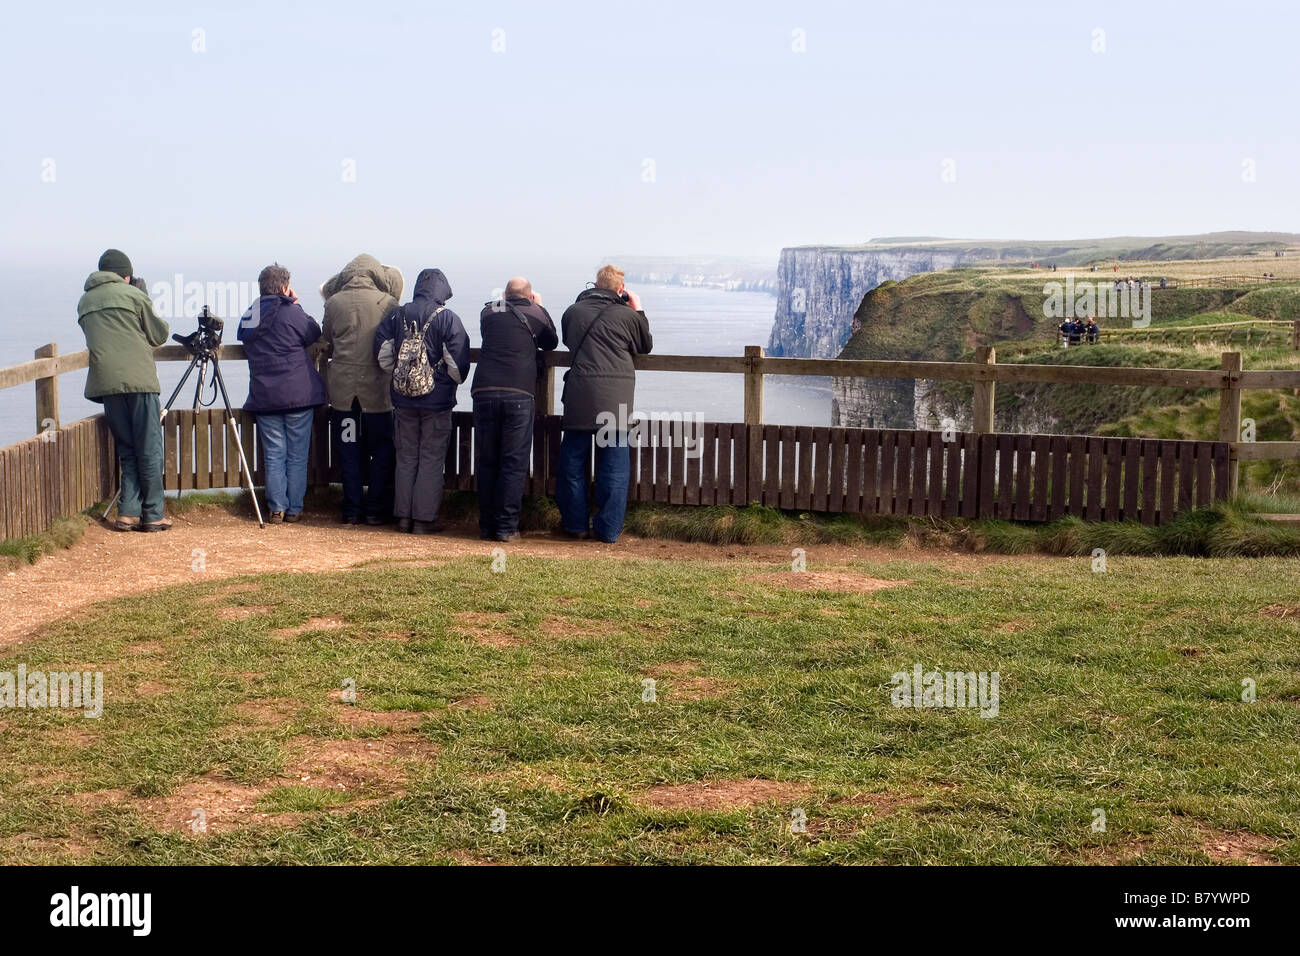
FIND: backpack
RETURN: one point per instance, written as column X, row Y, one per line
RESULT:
column 413, row 376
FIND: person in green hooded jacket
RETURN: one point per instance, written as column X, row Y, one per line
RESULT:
column 121, row 329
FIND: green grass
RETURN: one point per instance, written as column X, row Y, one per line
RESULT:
column 1119, row 691
column 63, row 533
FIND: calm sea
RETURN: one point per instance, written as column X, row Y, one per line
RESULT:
column 40, row 307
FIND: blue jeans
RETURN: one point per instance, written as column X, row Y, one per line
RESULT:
column 613, row 466
column 503, row 438
column 286, row 439
column 138, row 437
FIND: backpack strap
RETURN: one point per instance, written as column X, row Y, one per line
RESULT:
column 573, row 360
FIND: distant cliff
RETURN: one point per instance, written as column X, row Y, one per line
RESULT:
column 819, row 288
column 705, row 272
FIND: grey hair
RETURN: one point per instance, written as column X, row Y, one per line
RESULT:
column 519, row 288
column 272, row 279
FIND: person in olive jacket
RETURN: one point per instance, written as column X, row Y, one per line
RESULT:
column 283, row 388
column 603, row 330
column 122, row 329
column 356, row 301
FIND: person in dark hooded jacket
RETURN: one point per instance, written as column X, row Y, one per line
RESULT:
column 283, row 388
column 422, row 425
column 603, row 332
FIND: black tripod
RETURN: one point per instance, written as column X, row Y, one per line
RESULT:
column 205, row 346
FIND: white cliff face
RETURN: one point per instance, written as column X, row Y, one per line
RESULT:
column 820, row 287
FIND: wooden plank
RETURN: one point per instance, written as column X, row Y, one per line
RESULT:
column 821, row 467
column 788, row 468
column 1078, row 462
column 1003, row 492
column 676, row 462
column 662, row 491
column 753, row 462
column 740, row 464
column 920, row 472
column 202, row 449
column 691, row 493
column 171, row 452
column 1024, row 485
column 1150, row 457
column 1168, row 475
column 771, row 466
column 936, row 450
column 952, row 477
column 1222, row 465
column 709, row 464
column 988, row 460
column 1096, row 464
column 1114, row 463
column 1204, row 474
column 554, row 433
column 1186, row 474
column 185, row 443
column 1060, row 452
column 902, row 479
column 854, row 438
column 838, row 439
column 871, row 443
column 1042, row 476
column 888, row 451
column 970, row 475
column 1132, row 477
column 465, row 429
column 803, row 484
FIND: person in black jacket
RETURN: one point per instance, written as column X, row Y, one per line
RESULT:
column 422, row 423
column 515, row 328
column 603, row 330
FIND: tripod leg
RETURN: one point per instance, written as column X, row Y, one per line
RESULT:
column 239, row 446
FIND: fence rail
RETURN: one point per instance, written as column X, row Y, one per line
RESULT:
column 860, row 471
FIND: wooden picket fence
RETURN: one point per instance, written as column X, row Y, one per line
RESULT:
column 57, row 473
column 835, row 470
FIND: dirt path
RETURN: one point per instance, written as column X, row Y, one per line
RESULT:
column 107, row 564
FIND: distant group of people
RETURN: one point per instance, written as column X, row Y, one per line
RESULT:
column 390, row 381
column 1079, row 331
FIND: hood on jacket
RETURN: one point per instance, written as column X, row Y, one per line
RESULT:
column 365, row 272
column 608, row 294
column 103, row 277
column 431, row 290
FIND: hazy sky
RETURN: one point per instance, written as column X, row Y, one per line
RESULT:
column 544, row 149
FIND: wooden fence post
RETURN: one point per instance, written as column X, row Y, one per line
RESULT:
column 544, row 393
column 1230, row 414
column 754, row 385
column 1295, row 334
column 47, row 393
column 984, row 392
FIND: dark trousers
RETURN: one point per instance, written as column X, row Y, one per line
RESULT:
column 503, row 438
column 364, row 444
column 422, row 438
column 613, row 468
column 133, row 420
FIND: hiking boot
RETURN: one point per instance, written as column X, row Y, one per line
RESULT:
column 427, row 527
column 350, row 519
column 404, row 525
column 126, row 523
column 375, row 520
column 512, row 536
column 292, row 518
column 573, row 535
column 275, row 517
column 163, row 524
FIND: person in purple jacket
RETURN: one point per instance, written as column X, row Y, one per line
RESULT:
column 283, row 388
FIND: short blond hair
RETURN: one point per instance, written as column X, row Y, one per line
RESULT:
column 609, row 277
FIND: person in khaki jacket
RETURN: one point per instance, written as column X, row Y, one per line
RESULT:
column 361, row 409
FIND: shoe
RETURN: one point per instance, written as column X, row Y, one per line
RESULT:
column 162, row 525
column 275, row 517
column 350, row 519
column 427, row 527
column 573, row 535
column 375, row 520
column 404, row 525
column 292, row 518
column 512, row 536
column 126, row 523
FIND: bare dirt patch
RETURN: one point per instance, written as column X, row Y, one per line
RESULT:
column 1110, row 854
column 268, row 711
column 477, row 702
column 486, row 628
column 1238, row 846
column 844, row 580
column 151, row 688
column 722, row 794
column 373, row 763
column 555, row 626
column 311, row 624
column 679, row 681
column 356, row 718
column 145, row 648
column 1281, row 610
column 243, row 612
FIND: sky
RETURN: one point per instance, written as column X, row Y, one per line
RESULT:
column 561, row 132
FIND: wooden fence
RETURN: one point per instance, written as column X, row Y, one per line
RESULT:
column 847, row 470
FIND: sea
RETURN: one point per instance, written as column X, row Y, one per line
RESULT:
column 39, row 307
